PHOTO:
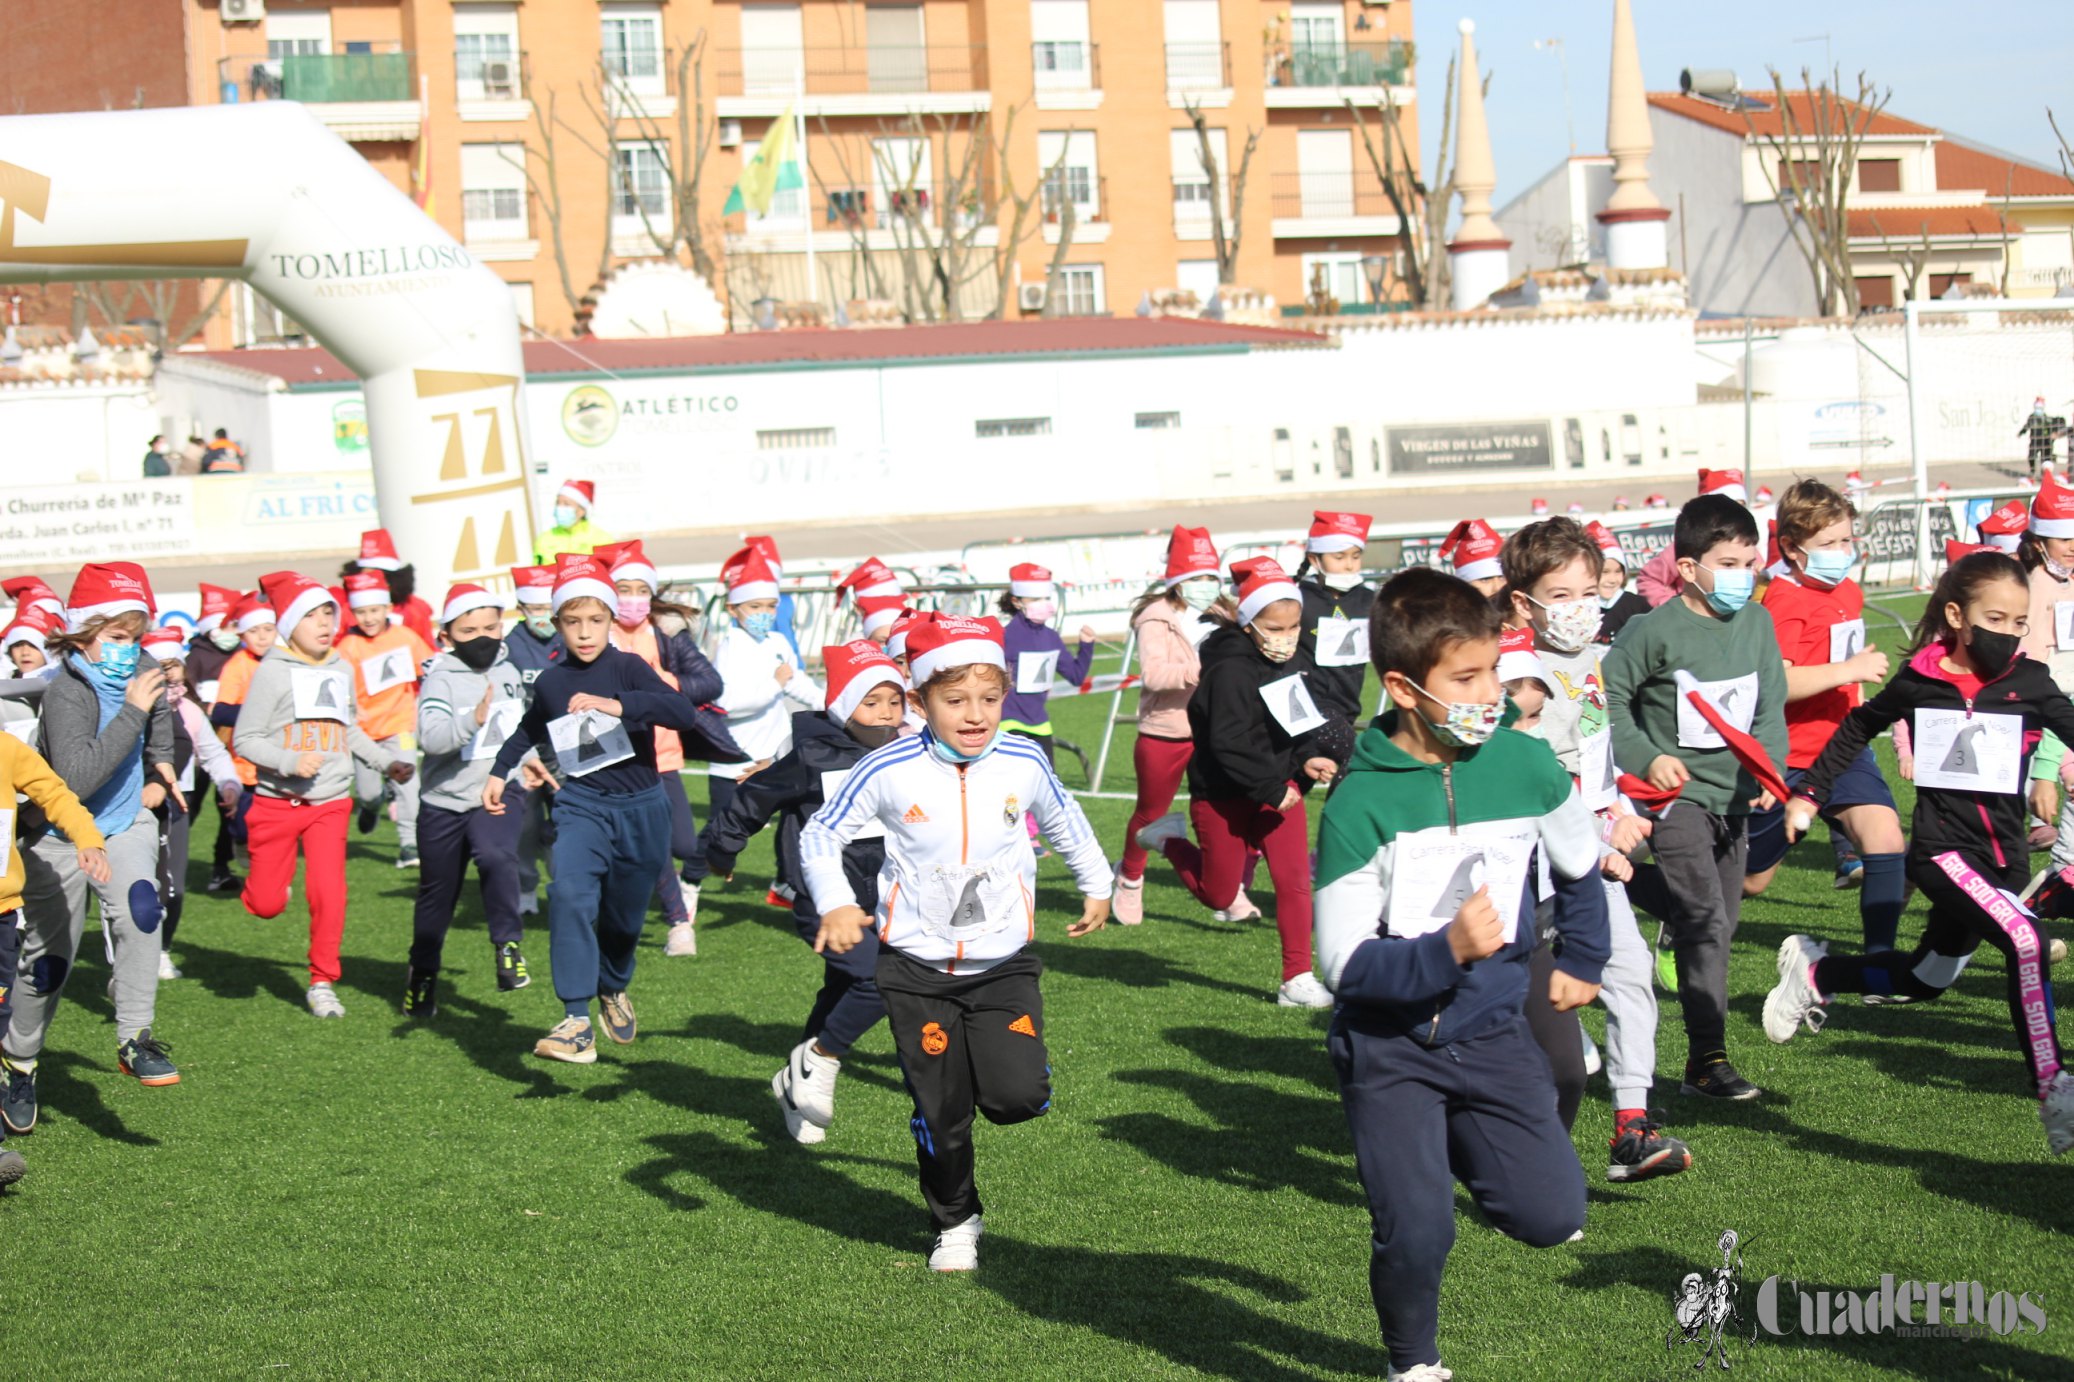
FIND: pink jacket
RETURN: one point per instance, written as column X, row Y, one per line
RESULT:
column 1168, row 669
column 1659, row 581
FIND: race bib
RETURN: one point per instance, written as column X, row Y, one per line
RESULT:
column 2063, row 625
column 391, row 669
column 207, row 691
column 1289, row 701
column 587, row 741
column 1847, row 639
column 1433, row 872
column 321, row 693
column 832, row 783
column 1735, row 698
column 1035, row 672
column 186, row 781
column 1969, row 753
column 1342, row 642
column 497, row 726
column 1598, row 781
column 7, row 825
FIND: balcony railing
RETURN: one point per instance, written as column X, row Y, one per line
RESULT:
column 1342, row 64
column 1198, row 66
column 1303, row 196
column 864, row 70
column 318, row 78
column 1066, row 66
column 491, row 76
column 846, row 209
column 1088, row 194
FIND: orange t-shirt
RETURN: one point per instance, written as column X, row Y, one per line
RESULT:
column 669, row 747
column 231, row 685
column 385, row 679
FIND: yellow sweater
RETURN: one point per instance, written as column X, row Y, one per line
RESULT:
column 23, row 770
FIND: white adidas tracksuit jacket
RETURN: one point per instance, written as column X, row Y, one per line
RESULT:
column 958, row 888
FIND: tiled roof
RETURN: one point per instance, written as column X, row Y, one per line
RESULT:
column 1766, row 120
column 1906, row 223
column 1961, row 166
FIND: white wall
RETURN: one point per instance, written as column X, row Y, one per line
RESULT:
column 52, row 433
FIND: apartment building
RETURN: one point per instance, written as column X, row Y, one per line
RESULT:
column 562, row 139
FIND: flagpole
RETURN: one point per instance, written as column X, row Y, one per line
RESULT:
column 806, row 181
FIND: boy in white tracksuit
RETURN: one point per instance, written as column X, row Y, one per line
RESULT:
column 957, row 907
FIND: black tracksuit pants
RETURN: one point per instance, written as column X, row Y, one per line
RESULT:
column 447, row 840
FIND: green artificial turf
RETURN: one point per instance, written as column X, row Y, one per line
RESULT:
column 378, row 1198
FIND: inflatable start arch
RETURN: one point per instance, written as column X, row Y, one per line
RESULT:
column 265, row 193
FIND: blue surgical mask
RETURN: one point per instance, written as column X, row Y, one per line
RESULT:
column 567, row 515
column 759, row 626
column 118, row 660
column 1832, row 565
column 1732, row 589
column 541, row 626
column 952, row 756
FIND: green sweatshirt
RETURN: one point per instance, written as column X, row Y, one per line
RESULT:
column 1734, row 659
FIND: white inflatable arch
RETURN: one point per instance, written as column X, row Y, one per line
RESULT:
column 265, row 193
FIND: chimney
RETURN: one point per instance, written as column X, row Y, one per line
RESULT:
column 1477, row 255
column 1634, row 219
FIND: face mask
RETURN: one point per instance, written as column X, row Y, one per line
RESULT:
column 1040, row 611
column 1732, row 589
column 1199, row 595
column 633, row 609
column 567, row 516
column 225, row 640
column 172, row 693
column 2054, row 569
column 1340, row 580
column 541, row 626
column 1572, row 624
column 1992, row 652
column 951, row 755
column 759, row 626
column 480, row 652
column 118, row 660
column 872, row 736
column 1831, row 566
column 1468, row 723
column 1275, row 647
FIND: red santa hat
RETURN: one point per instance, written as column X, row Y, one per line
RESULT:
column 378, row 551
column 294, row 597
column 1190, row 554
column 2004, row 529
column 104, row 589
column 903, row 624
column 1031, row 581
column 1656, row 501
column 217, row 603
column 629, row 563
column 872, row 578
column 1764, row 494
column 31, row 590
column 464, row 597
column 947, row 642
column 1517, row 658
column 164, row 643
column 852, row 670
column 2052, row 512
column 1955, row 549
column 251, row 612
column 582, row 493
column 769, row 547
column 532, row 585
column 1473, row 546
column 1609, row 543
column 880, row 611
column 1337, row 532
column 1262, row 582
column 1537, row 507
column 365, row 588
column 748, row 576
column 1575, row 508
column 1728, row 482
column 579, row 575
column 31, row 624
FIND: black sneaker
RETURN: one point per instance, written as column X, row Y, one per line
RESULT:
column 420, row 993
column 224, row 881
column 406, row 857
column 1642, row 1152
column 364, row 820
column 18, row 1102
column 144, row 1056
column 1717, row 1079
column 511, row 967
column 12, row 1167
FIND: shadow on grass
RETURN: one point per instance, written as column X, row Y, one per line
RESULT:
column 229, row 974
column 60, row 1089
column 1091, row 958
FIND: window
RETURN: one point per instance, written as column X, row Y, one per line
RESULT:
column 1940, row 284
column 1072, row 180
column 1191, row 183
column 1876, row 292
column 900, row 166
column 987, row 429
column 1342, row 273
column 1059, row 51
column 493, row 191
column 1807, row 171
column 1879, row 175
column 796, row 439
column 300, row 33
column 1325, row 172
column 486, row 52
column 1077, row 291
column 631, row 46
column 641, row 192
column 773, row 49
column 1198, row 276
column 1316, row 25
column 788, row 205
column 1158, row 422
column 1195, row 46
column 894, row 56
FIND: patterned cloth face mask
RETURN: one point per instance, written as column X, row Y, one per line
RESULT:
column 1468, row 723
column 1572, row 624
column 1276, row 647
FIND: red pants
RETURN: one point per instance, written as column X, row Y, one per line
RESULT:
column 1160, row 765
column 1228, row 830
column 272, row 832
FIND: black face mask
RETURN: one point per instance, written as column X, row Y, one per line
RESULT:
column 479, row 653
column 1992, row 652
column 873, row 736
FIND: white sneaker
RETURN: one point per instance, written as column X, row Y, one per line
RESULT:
column 323, row 1001
column 1422, row 1372
column 1592, row 1063
column 957, row 1247
column 1243, row 908
column 1155, row 837
column 1127, row 902
column 1304, row 991
column 2056, row 1111
column 1794, row 1000
column 810, row 1082
column 682, row 940
column 796, row 1125
column 166, row 968
column 2057, row 951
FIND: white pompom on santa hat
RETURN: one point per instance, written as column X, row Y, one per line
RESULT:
column 629, row 563
column 378, row 551
column 1728, row 482
column 293, row 597
column 1262, row 582
column 532, row 585
column 1029, row 581
column 1337, row 532
column 853, row 669
column 1191, row 554
column 1472, row 547
column 104, row 589
column 947, row 642
column 582, row 493
column 464, row 597
column 872, row 579
column 748, row 576
column 364, row 588
column 580, row 575
column 880, row 611
column 2052, row 511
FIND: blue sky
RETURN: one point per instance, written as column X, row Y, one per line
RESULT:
column 1984, row 70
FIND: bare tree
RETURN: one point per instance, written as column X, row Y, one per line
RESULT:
column 1809, row 165
column 542, row 168
column 1912, row 255
column 1223, row 238
column 1420, row 205
column 683, row 159
column 118, row 303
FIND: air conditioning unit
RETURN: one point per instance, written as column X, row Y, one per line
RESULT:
column 1030, row 297
column 500, row 78
column 242, row 11
column 730, row 134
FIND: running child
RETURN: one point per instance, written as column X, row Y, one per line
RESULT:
column 2047, row 553
column 388, row 659
column 1168, row 624
column 597, row 709
column 956, row 909
column 378, row 553
column 1426, row 867
column 867, row 693
column 1976, row 705
column 199, row 760
column 1618, row 603
column 531, row 645
column 299, row 730
column 1036, row 657
column 253, row 618
column 1335, row 610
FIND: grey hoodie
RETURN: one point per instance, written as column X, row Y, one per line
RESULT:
column 272, row 738
column 447, row 699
